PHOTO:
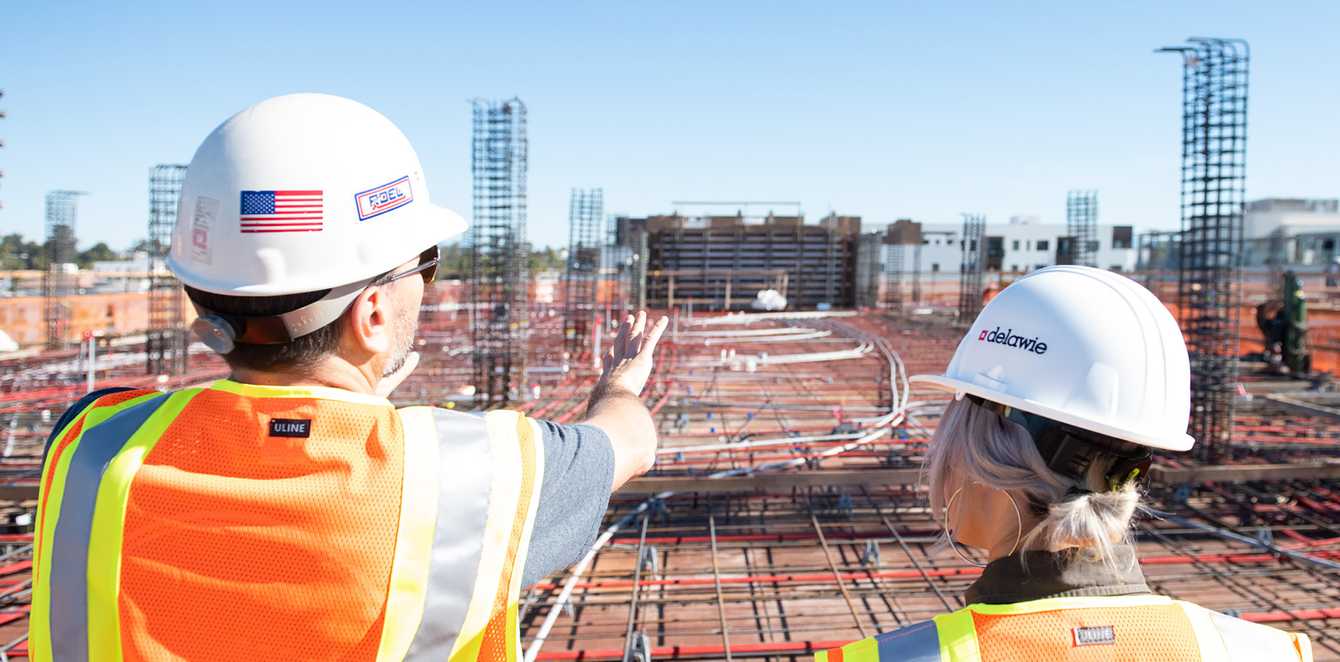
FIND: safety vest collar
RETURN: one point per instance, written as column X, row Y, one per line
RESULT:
column 297, row 391
column 1038, row 574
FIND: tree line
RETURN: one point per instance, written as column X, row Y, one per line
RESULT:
column 16, row 252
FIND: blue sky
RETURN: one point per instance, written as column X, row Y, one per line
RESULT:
column 884, row 110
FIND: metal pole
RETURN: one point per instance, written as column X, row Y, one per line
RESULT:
column 92, row 360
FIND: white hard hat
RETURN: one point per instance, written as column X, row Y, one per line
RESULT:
column 301, row 193
column 1084, row 347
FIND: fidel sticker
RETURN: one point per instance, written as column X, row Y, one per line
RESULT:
column 381, row 199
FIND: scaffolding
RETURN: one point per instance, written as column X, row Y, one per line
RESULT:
column 1081, row 221
column 1214, row 155
column 59, row 280
column 166, row 339
column 970, row 267
column 586, row 248
column 498, row 252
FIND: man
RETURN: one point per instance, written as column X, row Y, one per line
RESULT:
column 290, row 512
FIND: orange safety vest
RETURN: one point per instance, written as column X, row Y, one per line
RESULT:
column 1136, row 627
column 240, row 521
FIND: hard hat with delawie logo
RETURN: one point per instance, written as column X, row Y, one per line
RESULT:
column 302, row 193
column 1082, row 346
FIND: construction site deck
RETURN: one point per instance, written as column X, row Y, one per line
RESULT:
column 787, row 511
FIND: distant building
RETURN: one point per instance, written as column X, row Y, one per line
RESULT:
column 1020, row 246
column 1300, row 232
column 722, row 262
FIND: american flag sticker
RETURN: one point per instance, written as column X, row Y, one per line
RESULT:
column 281, row 211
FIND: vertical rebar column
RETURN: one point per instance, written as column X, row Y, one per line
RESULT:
column 499, row 281
column 1214, row 155
column 894, row 276
column 1081, row 220
column 916, row 273
column 59, row 279
column 973, row 250
column 165, row 343
column 586, row 233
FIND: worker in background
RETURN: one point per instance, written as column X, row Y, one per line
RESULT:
column 1062, row 388
column 291, row 512
column 1282, row 321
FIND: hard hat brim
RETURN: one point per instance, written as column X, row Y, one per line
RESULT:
column 1183, row 442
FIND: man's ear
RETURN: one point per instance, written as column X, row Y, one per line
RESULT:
column 369, row 321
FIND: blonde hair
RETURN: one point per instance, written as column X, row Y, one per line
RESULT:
column 985, row 447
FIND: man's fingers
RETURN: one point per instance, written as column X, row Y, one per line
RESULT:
column 621, row 341
column 653, row 337
column 635, row 338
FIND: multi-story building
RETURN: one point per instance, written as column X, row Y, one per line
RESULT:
column 1299, row 232
column 1020, row 246
column 722, row 262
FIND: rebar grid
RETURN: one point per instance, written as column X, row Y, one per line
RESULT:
column 586, row 248
column 58, row 281
column 499, row 253
column 1214, row 156
column 973, row 248
column 167, row 335
column 1081, row 220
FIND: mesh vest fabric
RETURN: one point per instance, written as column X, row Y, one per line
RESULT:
column 1123, row 628
column 207, row 532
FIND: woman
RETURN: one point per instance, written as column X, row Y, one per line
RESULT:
column 1065, row 383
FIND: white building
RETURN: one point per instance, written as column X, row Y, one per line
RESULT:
column 1305, row 231
column 1019, row 246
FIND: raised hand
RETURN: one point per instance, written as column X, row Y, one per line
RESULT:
column 628, row 363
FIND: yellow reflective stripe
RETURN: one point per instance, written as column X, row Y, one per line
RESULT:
column 1208, row 638
column 865, row 650
column 414, row 539
column 958, row 635
column 104, row 549
column 315, row 392
column 511, row 451
column 1304, row 646
column 821, row 656
column 1053, row 604
column 530, row 436
column 39, row 617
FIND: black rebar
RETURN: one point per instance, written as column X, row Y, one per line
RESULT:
column 166, row 339
column 1214, row 155
column 499, row 253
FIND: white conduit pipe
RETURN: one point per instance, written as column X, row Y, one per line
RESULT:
column 813, row 335
column 899, row 392
column 745, row 333
column 750, row 318
column 786, row 359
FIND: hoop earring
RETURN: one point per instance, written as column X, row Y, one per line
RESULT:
column 1018, row 531
column 949, row 535
column 1018, row 523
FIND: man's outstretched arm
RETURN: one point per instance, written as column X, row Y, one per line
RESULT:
column 616, row 405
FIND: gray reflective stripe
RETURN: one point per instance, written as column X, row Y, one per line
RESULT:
column 914, row 643
column 1246, row 641
column 464, row 478
column 69, row 547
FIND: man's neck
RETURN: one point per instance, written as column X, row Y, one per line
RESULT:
column 332, row 373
